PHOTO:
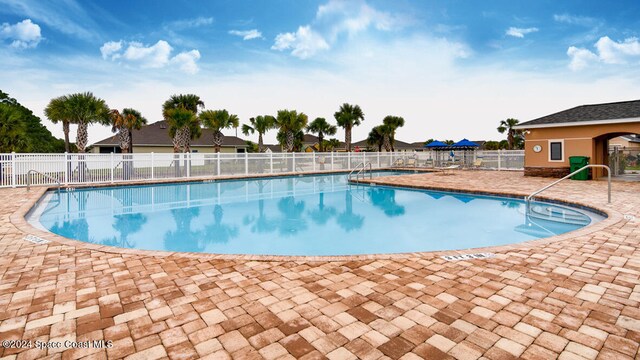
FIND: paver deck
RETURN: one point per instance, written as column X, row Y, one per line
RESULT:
column 571, row 297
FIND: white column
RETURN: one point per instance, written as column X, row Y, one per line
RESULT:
column 331, row 160
column 67, row 165
column 246, row 163
column 218, row 160
column 111, row 158
column 13, row 169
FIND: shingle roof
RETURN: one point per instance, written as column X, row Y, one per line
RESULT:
column 310, row 139
column 157, row 134
column 594, row 112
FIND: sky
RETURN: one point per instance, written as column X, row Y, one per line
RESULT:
column 451, row 69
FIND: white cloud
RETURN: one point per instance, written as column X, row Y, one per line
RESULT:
column 607, row 51
column 186, row 61
column 189, row 23
column 575, row 19
column 520, row 32
column 23, row 35
column 304, row 43
column 153, row 56
column 110, row 50
column 612, row 52
column 247, row 34
column 332, row 19
column 580, row 58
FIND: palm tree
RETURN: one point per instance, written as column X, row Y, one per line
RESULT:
column 188, row 102
column 331, row 144
column 84, row 109
column 513, row 135
column 133, row 121
column 58, row 111
column 321, row 127
column 376, row 137
column 260, row 124
column 217, row 120
column 347, row 117
column 394, row 122
column 183, row 126
column 13, row 136
column 289, row 122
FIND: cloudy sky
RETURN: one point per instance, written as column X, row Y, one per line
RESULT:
column 452, row 69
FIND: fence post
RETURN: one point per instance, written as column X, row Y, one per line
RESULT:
column 246, row 163
column 314, row 161
column 378, row 158
column 499, row 159
column 67, row 167
column 13, row 169
column 218, row 170
column 331, row 160
column 271, row 162
column 364, row 158
column 293, row 157
column 348, row 160
column 111, row 160
column 152, row 166
column 188, row 159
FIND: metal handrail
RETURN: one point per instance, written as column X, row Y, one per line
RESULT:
column 530, row 197
column 45, row 175
column 363, row 171
column 354, row 169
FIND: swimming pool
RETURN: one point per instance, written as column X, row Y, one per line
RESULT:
column 300, row 215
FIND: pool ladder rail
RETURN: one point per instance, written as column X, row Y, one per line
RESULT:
column 361, row 170
column 533, row 194
column 43, row 175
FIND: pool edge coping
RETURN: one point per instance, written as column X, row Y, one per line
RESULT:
column 18, row 219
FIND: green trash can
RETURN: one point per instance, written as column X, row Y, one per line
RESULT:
column 576, row 163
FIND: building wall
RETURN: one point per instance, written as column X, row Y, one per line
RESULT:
column 578, row 141
column 624, row 144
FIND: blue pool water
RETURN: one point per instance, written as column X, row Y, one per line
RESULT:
column 305, row 215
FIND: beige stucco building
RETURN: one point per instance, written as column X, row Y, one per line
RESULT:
column 581, row 131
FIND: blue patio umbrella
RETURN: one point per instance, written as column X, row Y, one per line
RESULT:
column 436, row 144
column 465, row 144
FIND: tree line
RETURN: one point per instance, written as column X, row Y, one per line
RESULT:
column 21, row 131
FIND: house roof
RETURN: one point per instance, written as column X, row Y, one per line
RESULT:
column 631, row 138
column 615, row 112
column 157, row 134
column 310, row 139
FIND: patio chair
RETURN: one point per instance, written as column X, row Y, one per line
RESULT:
column 429, row 163
column 398, row 163
column 449, row 169
column 477, row 164
column 411, row 162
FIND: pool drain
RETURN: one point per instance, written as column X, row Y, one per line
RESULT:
column 36, row 240
column 468, row 256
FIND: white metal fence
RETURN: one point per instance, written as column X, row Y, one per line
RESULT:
column 110, row 168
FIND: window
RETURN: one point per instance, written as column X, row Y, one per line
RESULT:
column 555, row 150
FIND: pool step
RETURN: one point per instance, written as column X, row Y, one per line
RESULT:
column 558, row 214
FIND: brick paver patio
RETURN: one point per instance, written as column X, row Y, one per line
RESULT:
column 574, row 296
